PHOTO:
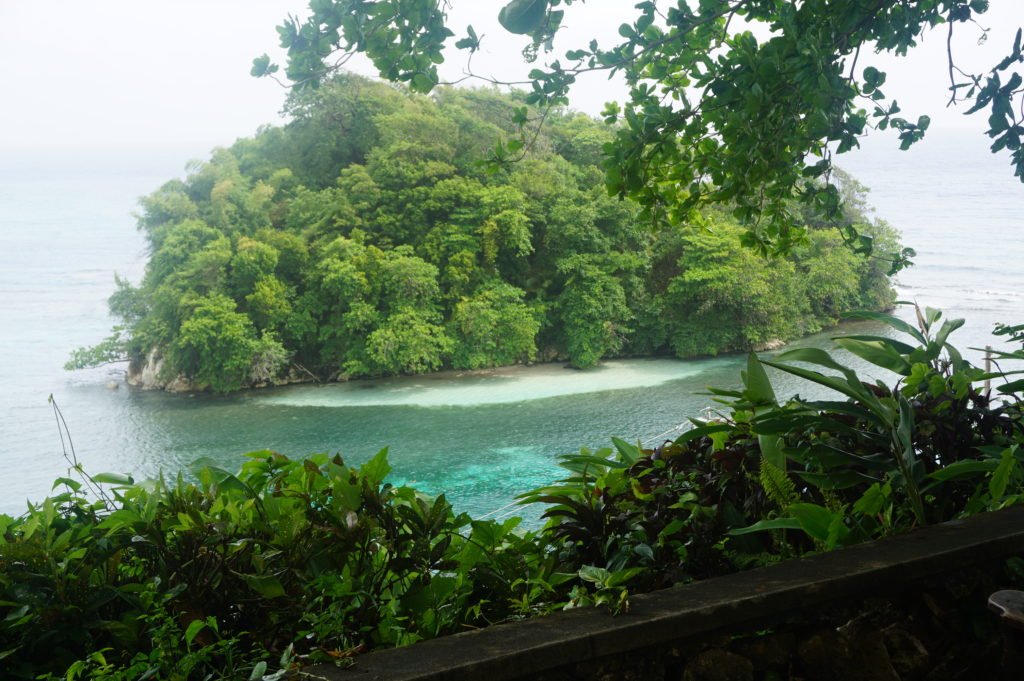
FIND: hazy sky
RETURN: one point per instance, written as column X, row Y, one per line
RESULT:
column 173, row 74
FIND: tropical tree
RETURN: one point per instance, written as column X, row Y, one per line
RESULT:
column 218, row 346
column 494, row 327
column 741, row 102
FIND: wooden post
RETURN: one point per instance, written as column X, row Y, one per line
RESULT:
column 988, row 368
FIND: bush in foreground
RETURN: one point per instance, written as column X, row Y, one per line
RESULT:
column 285, row 563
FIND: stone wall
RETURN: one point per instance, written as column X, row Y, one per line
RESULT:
column 910, row 607
column 936, row 630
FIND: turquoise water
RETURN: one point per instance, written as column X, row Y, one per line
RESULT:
column 481, row 438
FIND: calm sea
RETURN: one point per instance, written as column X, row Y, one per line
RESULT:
column 66, row 228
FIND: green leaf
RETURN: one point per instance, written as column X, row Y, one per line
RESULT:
column 593, row 464
column 423, row 82
column 225, row 481
column 377, row 468
column 1011, row 387
column 73, row 484
column 703, row 430
column 847, row 408
column 899, row 346
column 873, row 78
column 894, row 322
column 773, row 524
column 905, row 431
column 872, row 501
column 836, row 479
column 267, row 586
column 261, row 66
column 638, row 491
column 818, row 522
column 345, row 495
column 260, row 454
column 590, row 573
column 758, row 386
column 851, row 387
column 811, row 355
column 629, row 453
column 523, row 16
column 877, row 353
column 120, row 518
column 837, row 532
column 771, row 450
column 258, row 671
column 194, row 627
column 963, row 469
column 948, row 327
column 1001, row 476
column 114, row 479
column 622, row 576
column 471, row 41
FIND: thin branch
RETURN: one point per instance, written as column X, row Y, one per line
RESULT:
column 620, row 63
column 312, row 375
column 853, row 66
column 949, row 62
column 62, row 429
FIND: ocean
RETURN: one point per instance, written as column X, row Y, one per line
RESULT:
column 66, row 228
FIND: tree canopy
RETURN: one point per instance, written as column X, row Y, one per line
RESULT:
column 731, row 101
column 364, row 239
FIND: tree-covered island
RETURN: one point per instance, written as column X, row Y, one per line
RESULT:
column 365, row 238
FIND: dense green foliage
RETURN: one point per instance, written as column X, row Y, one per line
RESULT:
column 770, row 479
column 737, row 101
column 292, row 562
column 365, row 239
column 287, row 560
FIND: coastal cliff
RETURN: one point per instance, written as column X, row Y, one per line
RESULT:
column 147, row 374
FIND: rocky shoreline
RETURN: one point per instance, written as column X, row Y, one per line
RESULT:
column 148, row 373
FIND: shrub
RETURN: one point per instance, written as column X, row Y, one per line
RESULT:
column 309, row 559
column 769, row 480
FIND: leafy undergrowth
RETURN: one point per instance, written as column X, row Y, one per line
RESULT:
column 287, row 563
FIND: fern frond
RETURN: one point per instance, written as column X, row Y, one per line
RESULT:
column 777, row 485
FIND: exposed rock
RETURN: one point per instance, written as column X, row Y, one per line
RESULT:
column 820, row 654
column 143, row 374
column 907, row 654
column 113, row 385
column 968, row 661
column 718, row 665
column 856, row 655
column 180, row 384
column 769, row 345
column 766, row 652
column 616, row 669
column 870, row 657
column 147, row 375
